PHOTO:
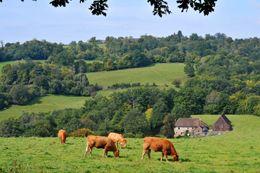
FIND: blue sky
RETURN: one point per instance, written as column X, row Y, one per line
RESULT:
column 28, row 20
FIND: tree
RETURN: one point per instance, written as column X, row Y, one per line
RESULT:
column 189, row 70
column 64, row 58
column 3, row 101
column 160, row 7
column 168, row 126
column 189, row 101
column 20, row 94
column 135, row 122
column 215, row 102
column 159, row 111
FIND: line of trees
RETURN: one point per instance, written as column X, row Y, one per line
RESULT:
column 22, row 82
column 140, row 111
column 128, row 52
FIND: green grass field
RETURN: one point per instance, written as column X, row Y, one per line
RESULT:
column 44, row 104
column 236, row 151
column 160, row 74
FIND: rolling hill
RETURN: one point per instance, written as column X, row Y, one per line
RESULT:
column 44, row 104
column 160, row 74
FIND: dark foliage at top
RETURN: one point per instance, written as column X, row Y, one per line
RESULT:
column 160, row 7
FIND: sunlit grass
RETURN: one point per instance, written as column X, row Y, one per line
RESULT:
column 44, row 104
column 160, row 74
column 236, row 151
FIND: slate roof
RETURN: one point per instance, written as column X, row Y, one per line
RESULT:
column 190, row 122
column 223, row 116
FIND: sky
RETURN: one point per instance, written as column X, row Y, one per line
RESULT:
column 23, row 21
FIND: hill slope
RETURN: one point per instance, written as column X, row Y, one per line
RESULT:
column 159, row 74
column 236, row 151
column 44, row 104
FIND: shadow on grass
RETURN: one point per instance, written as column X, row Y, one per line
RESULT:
column 36, row 100
column 185, row 160
column 180, row 160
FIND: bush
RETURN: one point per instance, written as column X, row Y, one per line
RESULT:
column 83, row 132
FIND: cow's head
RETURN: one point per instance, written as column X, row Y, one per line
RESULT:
column 116, row 153
column 122, row 142
column 175, row 157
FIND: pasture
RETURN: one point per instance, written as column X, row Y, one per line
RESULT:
column 159, row 74
column 236, row 151
column 44, row 104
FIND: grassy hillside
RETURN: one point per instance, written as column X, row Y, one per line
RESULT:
column 160, row 74
column 236, row 151
column 44, row 104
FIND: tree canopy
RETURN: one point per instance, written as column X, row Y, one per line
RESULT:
column 160, row 7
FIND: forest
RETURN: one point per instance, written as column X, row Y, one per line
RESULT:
column 223, row 76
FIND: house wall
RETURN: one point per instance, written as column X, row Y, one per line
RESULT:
column 181, row 131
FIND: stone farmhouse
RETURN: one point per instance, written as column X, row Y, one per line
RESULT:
column 190, row 126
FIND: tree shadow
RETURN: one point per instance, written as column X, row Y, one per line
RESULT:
column 36, row 100
column 184, row 160
column 180, row 160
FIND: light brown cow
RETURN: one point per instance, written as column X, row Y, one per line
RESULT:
column 118, row 138
column 101, row 142
column 62, row 136
column 159, row 144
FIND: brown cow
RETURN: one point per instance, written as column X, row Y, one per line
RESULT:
column 159, row 144
column 101, row 142
column 117, row 138
column 62, row 135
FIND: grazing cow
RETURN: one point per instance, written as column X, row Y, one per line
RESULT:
column 101, row 142
column 117, row 138
column 62, row 135
column 159, row 144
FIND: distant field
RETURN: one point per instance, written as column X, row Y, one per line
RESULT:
column 234, row 152
column 44, row 104
column 160, row 74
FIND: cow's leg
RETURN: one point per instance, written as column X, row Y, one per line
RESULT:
column 166, row 158
column 162, row 156
column 165, row 154
column 144, row 152
column 87, row 150
column 105, row 153
column 149, row 154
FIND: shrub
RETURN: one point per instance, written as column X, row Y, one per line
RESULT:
column 81, row 132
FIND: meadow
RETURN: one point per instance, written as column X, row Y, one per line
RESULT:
column 160, row 74
column 235, row 151
column 44, row 104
